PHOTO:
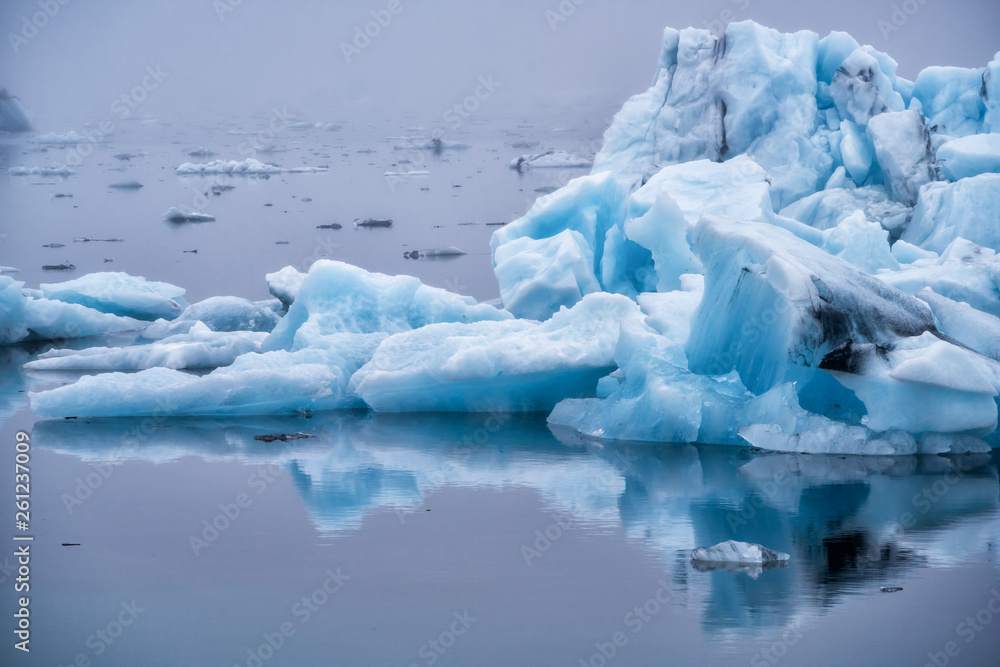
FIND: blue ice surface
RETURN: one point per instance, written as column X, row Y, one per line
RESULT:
column 781, row 242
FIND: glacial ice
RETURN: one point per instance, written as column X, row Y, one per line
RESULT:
column 200, row 348
column 24, row 317
column 13, row 117
column 550, row 160
column 248, row 167
column 120, row 294
column 732, row 551
column 781, row 243
column 174, row 214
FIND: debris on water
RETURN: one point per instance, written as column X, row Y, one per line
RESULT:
column 174, row 214
column 201, row 152
column 283, row 437
column 53, row 245
column 546, row 189
column 219, row 189
column 495, row 224
column 365, row 151
column 372, row 222
column 332, row 225
column 281, row 243
column 193, row 252
column 307, row 199
column 84, row 239
column 61, row 195
column 58, row 267
column 71, row 544
column 268, row 204
column 467, row 224
column 125, row 157
column 891, row 589
column 106, row 260
column 435, row 253
column 524, row 143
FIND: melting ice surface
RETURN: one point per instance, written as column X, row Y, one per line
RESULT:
column 781, row 242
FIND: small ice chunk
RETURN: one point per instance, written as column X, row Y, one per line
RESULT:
column 732, row 551
column 174, row 214
column 61, row 170
column 126, row 185
column 550, row 160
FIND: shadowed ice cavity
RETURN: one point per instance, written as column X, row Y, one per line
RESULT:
column 849, row 523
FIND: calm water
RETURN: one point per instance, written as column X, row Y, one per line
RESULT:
column 431, row 539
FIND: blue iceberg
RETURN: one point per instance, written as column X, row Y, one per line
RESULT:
column 781, row 243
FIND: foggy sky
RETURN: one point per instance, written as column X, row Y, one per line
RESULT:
column 224, row 57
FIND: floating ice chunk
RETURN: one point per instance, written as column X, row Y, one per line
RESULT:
column 951, row 99
column 435, row 253
column 120, row 294
column 13, row 117
column 70, row 138
column 974, row 328
column 201, row 152
column 61, row 170
column 174, row 214
column 538, row 277
column 864, row 244
column 903, row 148
column 773, row 301
column 969, row 208
column 337, row 297
column 248, row 167
column 126, row 185
column 255, row 384
column 285, row 284
column 29, row 318
column 550, row 160
column 970, row 156
column 222, row 313
column 732, row 551
column 201, row 348
column 861, row 90
column 515, row 365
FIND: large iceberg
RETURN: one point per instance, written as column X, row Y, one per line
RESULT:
column 781, row 243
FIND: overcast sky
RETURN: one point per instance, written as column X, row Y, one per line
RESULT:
column 226, row 56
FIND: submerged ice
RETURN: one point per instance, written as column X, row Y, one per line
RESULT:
column 781, row 242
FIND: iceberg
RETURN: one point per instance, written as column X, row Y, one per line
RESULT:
column 200, row 348
column 120, row 294
column 782, row 245
column 13, row 117
column 25, row 317
column 174, row 214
